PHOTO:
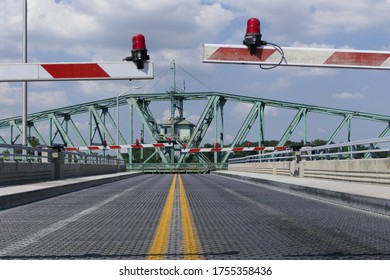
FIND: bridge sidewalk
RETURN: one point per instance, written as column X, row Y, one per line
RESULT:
column 371, row 197
column 18, row 195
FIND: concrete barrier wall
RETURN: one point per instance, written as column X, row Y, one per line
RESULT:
column 18, row 173
column 81, row 170
column 276, row 168
column 12, row 173
column 362, row 170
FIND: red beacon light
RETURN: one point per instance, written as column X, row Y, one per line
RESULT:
column 253, row 26
column 139, row 53
column 253, row 35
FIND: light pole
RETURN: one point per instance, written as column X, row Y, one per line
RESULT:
column 117, row 116
column 24, row 85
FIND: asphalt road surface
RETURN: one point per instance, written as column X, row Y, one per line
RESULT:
column 190, row 217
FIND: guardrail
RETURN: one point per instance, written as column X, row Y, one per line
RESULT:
column 354, row 149
column 347, row 150
column 287, row 155
column 171, row 167
column 343, row 161
column 20, row 153
column 21, row 164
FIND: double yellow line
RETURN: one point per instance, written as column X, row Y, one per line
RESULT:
column 190, row 241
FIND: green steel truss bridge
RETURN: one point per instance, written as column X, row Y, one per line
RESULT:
column 62, row 129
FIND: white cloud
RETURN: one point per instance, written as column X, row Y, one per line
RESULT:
column 271, row 111
column 305, row 19
column 10, row 96
column 281, row 83
column 10, row 100
column 348, row 95
column 193, row 118
column 47, row 100
column 241, row 110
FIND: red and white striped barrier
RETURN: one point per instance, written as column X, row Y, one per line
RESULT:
column 233, row 149
column 309, row 57
column 166, row 145
column 115, row 147
column 122, row 70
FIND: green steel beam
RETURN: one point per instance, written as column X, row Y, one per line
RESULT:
column 111, row 103
column 77, row 131
column 40, row 138
column 148, row 121
column 64, row 135
column 12, row 125
column 215, row 103
column 293, row 125
column 383, row 134
column 261, row 123
column 204, row 122
column 346, row 119
column 101, row 125
column 245, row 127
column 146, row 116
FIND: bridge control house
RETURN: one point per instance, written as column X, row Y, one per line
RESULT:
column 182, row 130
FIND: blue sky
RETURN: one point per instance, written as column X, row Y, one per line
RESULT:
column 101, row 30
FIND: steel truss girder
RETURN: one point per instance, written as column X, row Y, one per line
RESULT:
column 142, row 102
column 101, row 125
column 13, row 124
column 148, row 121
column 384, row 134
column 40, row 138
column 255, row 112
column 347, row 119
column 111, row 103
column 208, row 114
column 146, row 116
column 63, row 133
column 293, row 125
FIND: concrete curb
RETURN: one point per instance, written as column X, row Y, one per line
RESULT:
column 37, row 194
column 377, row 205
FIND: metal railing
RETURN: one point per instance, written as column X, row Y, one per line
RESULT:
column 15, row 153
column 170, row 167
column 287, row 155
column 369, row 148
column 348, row 150
column 20, row 153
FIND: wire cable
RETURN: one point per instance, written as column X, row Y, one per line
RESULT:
column 196, row 79
column 281, row 52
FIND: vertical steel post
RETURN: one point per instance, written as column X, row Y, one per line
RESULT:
column 173, row 109
column 305, row 127
column 142, row 134
column 260, row 116
column 131, row 133
column 215, row 132
column 222, row 132
column 24, row 86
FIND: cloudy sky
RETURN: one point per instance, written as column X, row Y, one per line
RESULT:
column 101, row 30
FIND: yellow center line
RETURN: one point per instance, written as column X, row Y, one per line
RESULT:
column 159, row 247
column 191, row 243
